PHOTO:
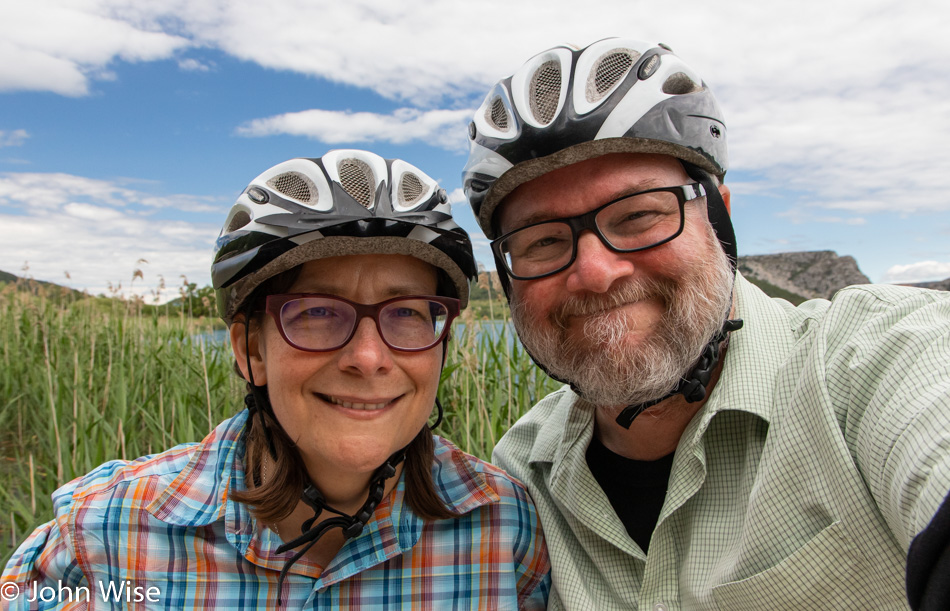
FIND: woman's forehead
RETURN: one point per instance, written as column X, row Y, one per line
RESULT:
column 381, row 276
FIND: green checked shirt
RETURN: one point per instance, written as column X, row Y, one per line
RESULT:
column 822, row 451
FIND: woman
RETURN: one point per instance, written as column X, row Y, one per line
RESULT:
column 339, row 278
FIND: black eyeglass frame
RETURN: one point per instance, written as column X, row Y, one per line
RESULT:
column 274, row 303
column 588, row 221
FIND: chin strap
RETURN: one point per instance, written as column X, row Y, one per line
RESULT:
column 693, row 386
column 350, row 525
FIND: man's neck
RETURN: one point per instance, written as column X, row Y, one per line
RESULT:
column 656, row 432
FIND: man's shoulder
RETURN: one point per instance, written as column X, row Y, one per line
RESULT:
column 867, row 311
column 886, row 295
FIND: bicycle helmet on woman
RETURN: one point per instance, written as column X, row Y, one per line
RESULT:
column 618, row 95
column 306, row 209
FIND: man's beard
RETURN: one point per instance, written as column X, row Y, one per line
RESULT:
column 603, row 366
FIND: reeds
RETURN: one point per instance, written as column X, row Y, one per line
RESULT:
column 84, row 381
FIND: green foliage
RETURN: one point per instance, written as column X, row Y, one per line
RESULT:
column 86, row 380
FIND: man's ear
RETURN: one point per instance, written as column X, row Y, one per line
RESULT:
column 246, row 343
column 724, row 191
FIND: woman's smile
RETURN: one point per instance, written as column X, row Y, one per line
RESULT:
column 359, row 404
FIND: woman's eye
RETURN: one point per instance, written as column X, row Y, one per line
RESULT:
column 407, row 312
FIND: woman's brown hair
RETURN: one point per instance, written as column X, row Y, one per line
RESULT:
column 274, row 499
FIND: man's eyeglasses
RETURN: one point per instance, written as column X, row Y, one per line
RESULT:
column 627, row 224
column 321, row 323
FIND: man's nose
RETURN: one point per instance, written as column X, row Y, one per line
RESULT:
column 595, row 266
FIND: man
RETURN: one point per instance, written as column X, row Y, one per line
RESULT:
column 715, row 448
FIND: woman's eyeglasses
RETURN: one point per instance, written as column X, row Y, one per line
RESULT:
column 321, row 323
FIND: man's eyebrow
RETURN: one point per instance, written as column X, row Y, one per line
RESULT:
column 545, row 215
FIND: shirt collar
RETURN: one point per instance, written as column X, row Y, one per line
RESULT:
column 198, row 496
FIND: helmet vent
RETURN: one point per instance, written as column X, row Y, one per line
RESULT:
column 611, row 68
column 679, row 83
column 357, row 179
column 410, row 189
column 240, row 219
column 295, row 186
column 545, row 91
column 497, row 115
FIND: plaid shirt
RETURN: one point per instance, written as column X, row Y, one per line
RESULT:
column 820, row 454
column 166, row 522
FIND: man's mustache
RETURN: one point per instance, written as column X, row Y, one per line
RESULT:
column 630, row 291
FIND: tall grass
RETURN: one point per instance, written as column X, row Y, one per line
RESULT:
column 88, row 381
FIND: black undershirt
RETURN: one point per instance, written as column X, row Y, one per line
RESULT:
column 636, row 488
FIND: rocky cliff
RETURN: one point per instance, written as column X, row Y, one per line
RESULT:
column 798, row 276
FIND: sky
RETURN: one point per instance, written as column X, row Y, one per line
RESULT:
column 127, row 129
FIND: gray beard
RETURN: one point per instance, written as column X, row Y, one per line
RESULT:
column 603, row 366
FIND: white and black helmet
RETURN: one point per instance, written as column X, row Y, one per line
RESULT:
column 567, row 105
column 305, row 209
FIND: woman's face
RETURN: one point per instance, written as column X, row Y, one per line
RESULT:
column 348, row 410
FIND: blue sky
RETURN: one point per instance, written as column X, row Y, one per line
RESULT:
column 128, row 128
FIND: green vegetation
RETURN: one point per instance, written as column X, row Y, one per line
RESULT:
column 773, row 291
column 84, row 380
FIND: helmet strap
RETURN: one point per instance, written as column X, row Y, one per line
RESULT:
column 438, row 420
column 350, row 525
column 693, row 385
column 716, row 211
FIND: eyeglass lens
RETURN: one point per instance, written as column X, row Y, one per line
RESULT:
column 324, row 323
column 636, row 222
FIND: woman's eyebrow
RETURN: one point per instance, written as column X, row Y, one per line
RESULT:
column 385, row 293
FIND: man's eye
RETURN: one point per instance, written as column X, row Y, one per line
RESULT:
column 546, row 241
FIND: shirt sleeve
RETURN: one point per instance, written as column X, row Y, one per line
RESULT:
column 44, row 569
column 890, row 364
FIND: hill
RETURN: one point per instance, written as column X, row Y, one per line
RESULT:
column 798, row 276
column 795, row 276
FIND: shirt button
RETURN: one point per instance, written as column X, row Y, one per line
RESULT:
column 659, row 607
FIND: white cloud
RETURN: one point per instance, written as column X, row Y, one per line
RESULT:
column 193, row 65
column 97, row 249
column 847, row 104
column 37, row 190
column 97, row 230
column 922, row 271
column 14, row 138
column 850, row 109
column 442, row 128
column 457, row 196
column 56, row 45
